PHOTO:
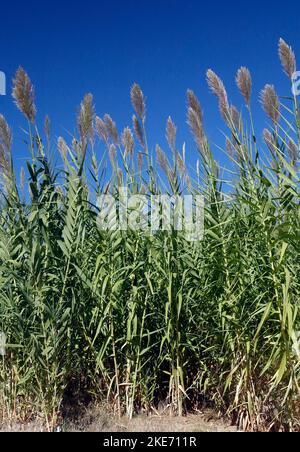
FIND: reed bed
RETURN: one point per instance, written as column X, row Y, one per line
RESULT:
column 137, row 318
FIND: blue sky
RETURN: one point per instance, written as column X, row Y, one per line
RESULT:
column 166, row 46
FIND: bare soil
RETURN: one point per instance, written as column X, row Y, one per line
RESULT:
column 100, row 419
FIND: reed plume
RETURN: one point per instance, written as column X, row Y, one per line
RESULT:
column 217, row 87
column 171, row 131
column 287, row 58
column 138, row 101
column 235, row 118
column 5, row 147
column 101, row 129
column 113, row 154
column 47, row 129
column 270, row 103
column 162, row 159
column 292, row 152
column 194, row 104
column 5, row 134
column 140, row 161
column 138, row 130
column 111, row 129
column 128, row 141
column 244, row 83
column 63, row 148
column 269, row 140
column 196, row 128
column 5, row 168
column 195, row 120
column 23, row 94
column 85, row 118
column 181, row 165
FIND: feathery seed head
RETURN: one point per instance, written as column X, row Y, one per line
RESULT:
column 292, row 152
column 111, row 129
column 287, row 58
column 5, row 167
column 140, row 161
column 235, row 118
column 138, row 101
column 101, row 129
column 162, row 159
column 171, row 131
column 23, row 93
column 218, row 89
column 63, row 148
column 195, row 124
column 269, row 140
column 47, row 128
column 128, row 141
column 270, row 103
column 268, row 137
column 5, row 147
column 5, row 134
column 181, row 165
column 244, row 83
column 188, row 182
column 85, row 118
column 113, row 154
column 194, row 103
column 138, row 130
column 195, row 120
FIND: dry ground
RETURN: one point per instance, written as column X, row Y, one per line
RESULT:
column 100, row 419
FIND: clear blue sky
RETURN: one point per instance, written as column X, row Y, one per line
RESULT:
column 71, row 48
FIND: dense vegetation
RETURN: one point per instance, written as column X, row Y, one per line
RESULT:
column 139, row 318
